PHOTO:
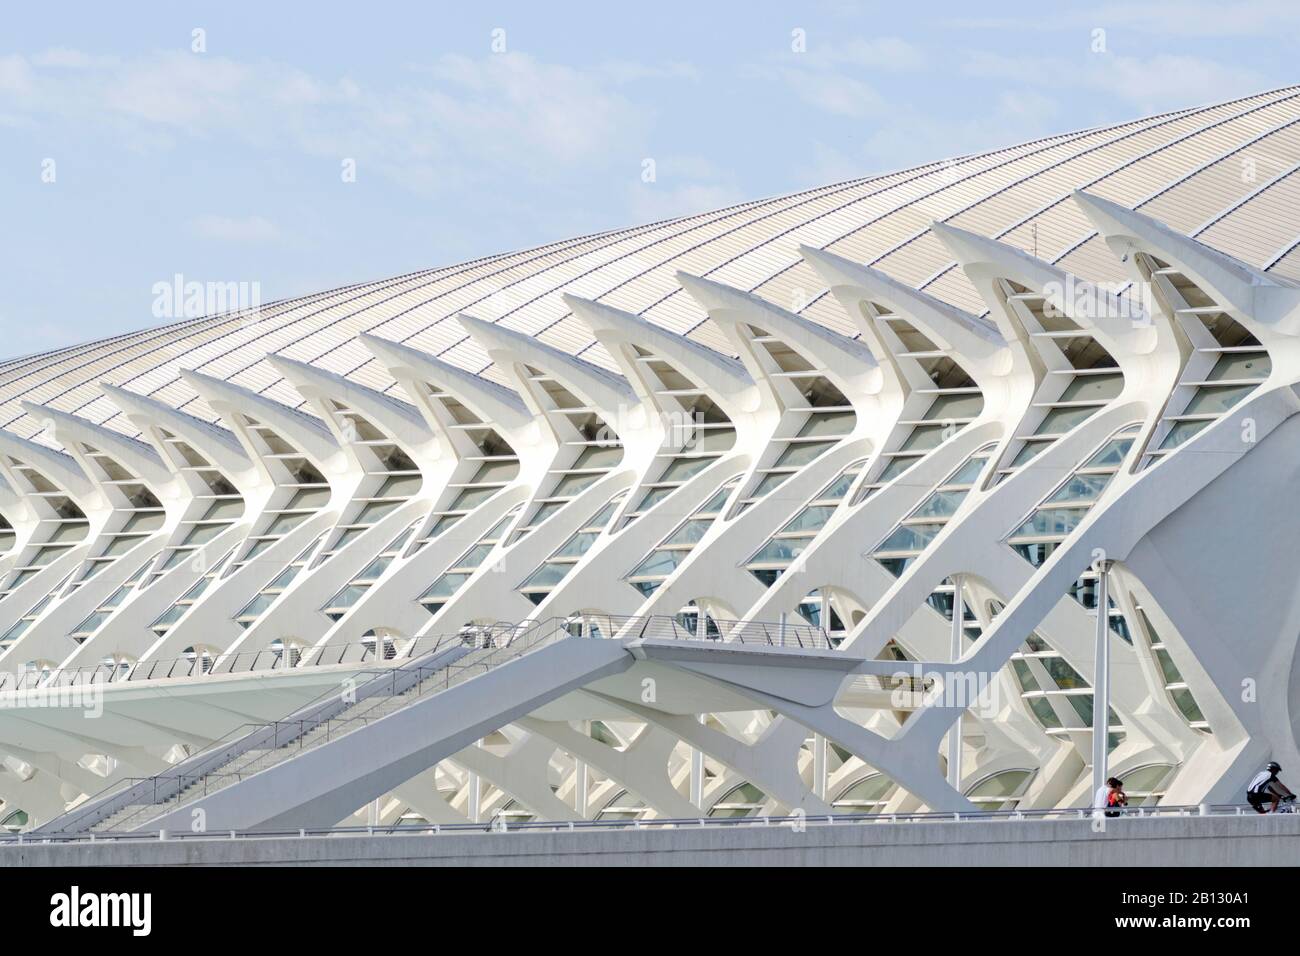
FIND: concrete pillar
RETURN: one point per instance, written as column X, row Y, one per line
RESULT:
column 1101, row 681
column 955, row 648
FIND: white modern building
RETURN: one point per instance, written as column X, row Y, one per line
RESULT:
column 947, row 489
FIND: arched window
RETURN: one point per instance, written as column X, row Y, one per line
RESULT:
column 868, row 795
column 1000, row 791
column 624, row 806
column 745, row 800
column 1146, row 786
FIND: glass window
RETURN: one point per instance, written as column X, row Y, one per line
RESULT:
column 801, row 453
column 838, row 488
column 226, row 509
column 941, row 504
column 1239, row 365
column 690, row 532
column 1146, row 785
column 895, row 468
column 968, row 473
column 682, row 468
column 374, row 569
column 769, row 482
column 120, row 546
column 472, row 498
column 547, row 576
column 743, row 801
column 572, row 484
column 1024, row 675
column 203, row 532
column 445, row 586
column 1186, row 704
column 780, row 550
column 1002, row 791
column 652, row 498
column 1044, row 711
column 955, row 406
column 910, row 538
column 661, row 563
column 1111, row 454
column 1028, row 451
column 374, row 511
column 829, row 423
column 1065, row 676
column 281, row 524
column 577, row 545
column 1217, row 400
column 1093, row 388
column 597, row 456
column 308, row 498
column 1181, row 433
column 1051, row 521
column 1081, row 488
column 149, row 521
column 402, row 486
column 1061, row 420
column 866, row 796
column 926, row 437
column 810, row 519
column 256, row 606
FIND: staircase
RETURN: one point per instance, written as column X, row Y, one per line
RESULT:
column 449, row 664
column 260, row 758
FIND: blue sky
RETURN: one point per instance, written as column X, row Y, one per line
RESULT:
column 226, row 165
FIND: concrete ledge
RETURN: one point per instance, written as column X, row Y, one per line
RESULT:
column 1167, row 841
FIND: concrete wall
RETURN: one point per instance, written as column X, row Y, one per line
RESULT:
column 1173, row 841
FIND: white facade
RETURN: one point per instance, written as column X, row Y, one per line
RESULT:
column 1009, row 383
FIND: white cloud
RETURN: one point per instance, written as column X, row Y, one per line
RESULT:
column 833, row 77
column 1163, row 81
column 651, row 202
column 455, row 123
column 627, row 71
column 250, row 229
column 67, row 59
column 905, row 137
column 892, row 54
column 16, row 75
column 1214, row 19
column 834, row 92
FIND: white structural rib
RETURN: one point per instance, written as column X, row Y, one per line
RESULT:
column 649, row 545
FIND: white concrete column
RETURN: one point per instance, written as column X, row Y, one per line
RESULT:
column 697, row 775
column 697, row 756
column 1101, row 681
column 819, row 766
column 475, row 796
column 581, row 781
column 954, row 735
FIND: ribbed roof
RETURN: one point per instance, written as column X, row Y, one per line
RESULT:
column 1226, row 174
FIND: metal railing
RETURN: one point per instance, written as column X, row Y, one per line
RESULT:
column 674, row 628
column 199, row 664
column 246, row 662
column 501, row 825
column 491, row 645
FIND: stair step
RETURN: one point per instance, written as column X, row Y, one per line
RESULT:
column 255, row 760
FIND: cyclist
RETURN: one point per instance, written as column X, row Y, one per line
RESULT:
column 1265, row 787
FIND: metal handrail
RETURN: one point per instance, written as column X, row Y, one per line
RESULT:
column 781, row 633
column 503, row 642
column 655, row 626
column 495, row 639
column 95, row 802
column 500, row 825
column 199, row 665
